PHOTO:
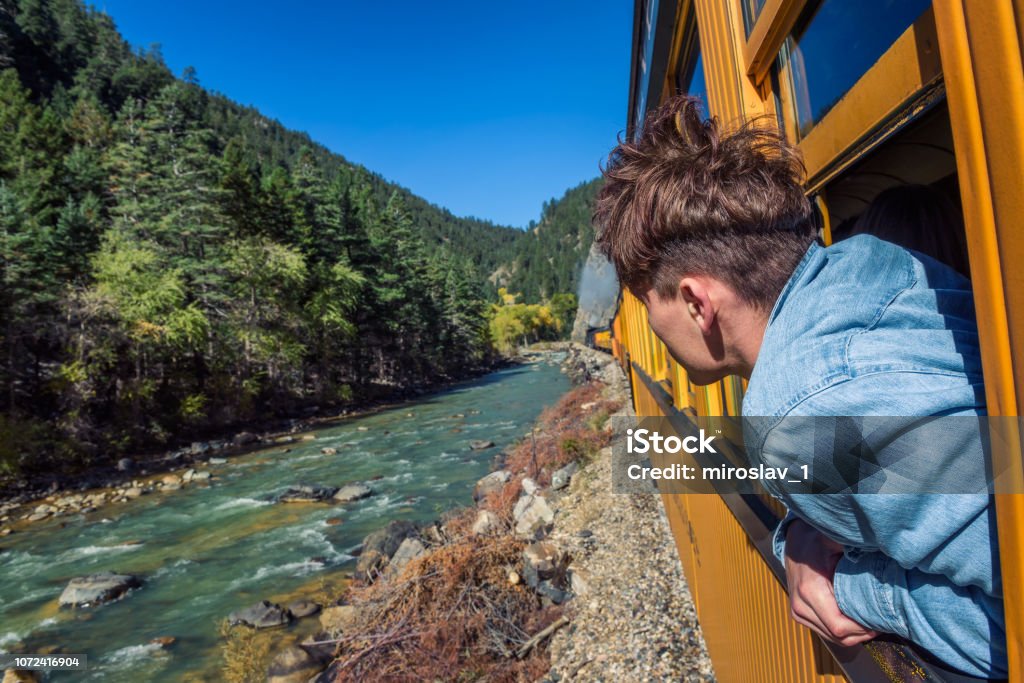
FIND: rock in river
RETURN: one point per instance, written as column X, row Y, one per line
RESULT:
column 301, row 609
column 244, row 439
column 97, row 589
column 380, row 546
column 263, row 614
column 294, row 665
column 480, row 444
column 307, row 493
column 346, row 494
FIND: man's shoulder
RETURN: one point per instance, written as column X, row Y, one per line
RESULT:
column 868, row 328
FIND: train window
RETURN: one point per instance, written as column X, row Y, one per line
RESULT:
column 689, row 70
column 906, row 192
column 834, row 44
column 647, row 26
column 751, row 11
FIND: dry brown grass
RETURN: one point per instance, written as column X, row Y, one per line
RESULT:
column 449, row 615
column 566, row 432
column 452, row 615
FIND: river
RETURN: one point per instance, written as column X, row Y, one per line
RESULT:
column 206, row 550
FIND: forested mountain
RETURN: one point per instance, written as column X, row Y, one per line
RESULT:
column 172, row 262
column 550, row 255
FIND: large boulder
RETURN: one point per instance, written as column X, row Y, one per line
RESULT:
column 307, row 493
column 480, row 444
column 380, row 546
column 244, row 439
column 294, row 665
column 486, row 523
column 301, row 609
column 97, row 589
column 491, row 483
column 263, row 614
column 351, row 492
column 339, row 619
column 533, row 516
column 409, row 550
column 199, row 448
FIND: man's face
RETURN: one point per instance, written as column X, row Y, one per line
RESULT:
column 677, row 322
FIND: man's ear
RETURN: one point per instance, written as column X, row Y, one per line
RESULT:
column 698, row 303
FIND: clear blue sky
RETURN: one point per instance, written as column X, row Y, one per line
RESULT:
column 486, row 108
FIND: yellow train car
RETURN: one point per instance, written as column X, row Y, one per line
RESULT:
column 601, row 339
column 877, row 94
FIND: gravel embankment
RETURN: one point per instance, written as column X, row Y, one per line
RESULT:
column 635, row 620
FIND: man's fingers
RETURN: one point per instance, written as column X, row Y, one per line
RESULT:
column 839, row 634
column 810, row 565
column 804, row 614
column 839, row 626
column 814, row 606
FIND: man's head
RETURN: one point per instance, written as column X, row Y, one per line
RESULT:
column 705, row 228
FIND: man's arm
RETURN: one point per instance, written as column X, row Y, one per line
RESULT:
column 810, row 559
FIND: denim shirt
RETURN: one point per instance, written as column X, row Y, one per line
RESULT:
column 867, row 328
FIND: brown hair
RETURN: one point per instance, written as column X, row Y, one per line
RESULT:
column 685, row 199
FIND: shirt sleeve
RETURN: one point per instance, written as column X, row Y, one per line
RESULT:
column 779, row 537
column 922, row 566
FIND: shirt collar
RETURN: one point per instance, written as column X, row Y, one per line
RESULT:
column 791, row 284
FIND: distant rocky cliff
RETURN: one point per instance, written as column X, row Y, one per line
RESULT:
column 598, row 295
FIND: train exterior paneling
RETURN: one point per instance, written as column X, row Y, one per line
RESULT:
column 957, row 56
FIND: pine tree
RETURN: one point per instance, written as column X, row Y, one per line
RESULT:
column 240, row 184
column 27, row 287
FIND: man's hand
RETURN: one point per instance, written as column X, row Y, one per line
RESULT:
column 811, row 560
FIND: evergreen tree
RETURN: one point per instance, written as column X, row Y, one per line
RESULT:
column 240, row 184
column 26, row 288
column 172, row 262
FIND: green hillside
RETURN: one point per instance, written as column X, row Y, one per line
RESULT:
column 549, row 256
column 173, row 263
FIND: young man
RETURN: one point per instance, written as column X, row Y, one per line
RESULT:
column 713, row 233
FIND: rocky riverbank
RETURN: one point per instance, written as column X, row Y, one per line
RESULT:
column 551, row 576
column 26, row 501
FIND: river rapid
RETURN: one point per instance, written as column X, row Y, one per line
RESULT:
column 207, row 550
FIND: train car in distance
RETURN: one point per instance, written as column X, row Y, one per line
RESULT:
column 600, row 338
column 880, row 95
